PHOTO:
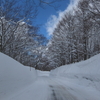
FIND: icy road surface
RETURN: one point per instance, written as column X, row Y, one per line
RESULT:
column 48, row 88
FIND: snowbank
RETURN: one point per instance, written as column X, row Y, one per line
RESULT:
column 14, row 76
column 88, row 70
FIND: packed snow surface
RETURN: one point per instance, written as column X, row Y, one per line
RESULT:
column 79, row 81
column 83, row 78
column 14, row 76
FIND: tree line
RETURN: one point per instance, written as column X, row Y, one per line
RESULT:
column 19, row 36
column 21, row 41
column 75, row 38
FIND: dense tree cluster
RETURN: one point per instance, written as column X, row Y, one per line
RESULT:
column 76, row 36
column 20, row 41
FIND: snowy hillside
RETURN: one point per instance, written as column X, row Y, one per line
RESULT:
column 13, row 76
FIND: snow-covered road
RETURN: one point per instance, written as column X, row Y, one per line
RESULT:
column 44, row 88
column 80, row 81
column 58, row 91
column 48, row 88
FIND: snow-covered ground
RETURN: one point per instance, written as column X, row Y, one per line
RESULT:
column 79, row 81
column 14, row 76
column 83, row 78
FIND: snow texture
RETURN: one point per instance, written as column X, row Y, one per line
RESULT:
column 82, row 79
column 79, row 81
column 14, row 76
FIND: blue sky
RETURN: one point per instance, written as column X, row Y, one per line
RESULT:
column 44, row 15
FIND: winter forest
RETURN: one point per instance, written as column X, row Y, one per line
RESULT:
column 75, row 38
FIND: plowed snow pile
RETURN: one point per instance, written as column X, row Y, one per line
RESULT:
column 14, row 76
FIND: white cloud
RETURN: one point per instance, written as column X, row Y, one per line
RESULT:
column 51, row 24
column 53, row 19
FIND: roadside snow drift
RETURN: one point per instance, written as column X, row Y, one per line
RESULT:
column 14, row 76
column 88, row 68
column 81, row 79
column 86, row 72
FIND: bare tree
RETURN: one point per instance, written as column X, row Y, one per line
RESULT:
column 24, row 9
column 16, row 10
column 76, row 36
